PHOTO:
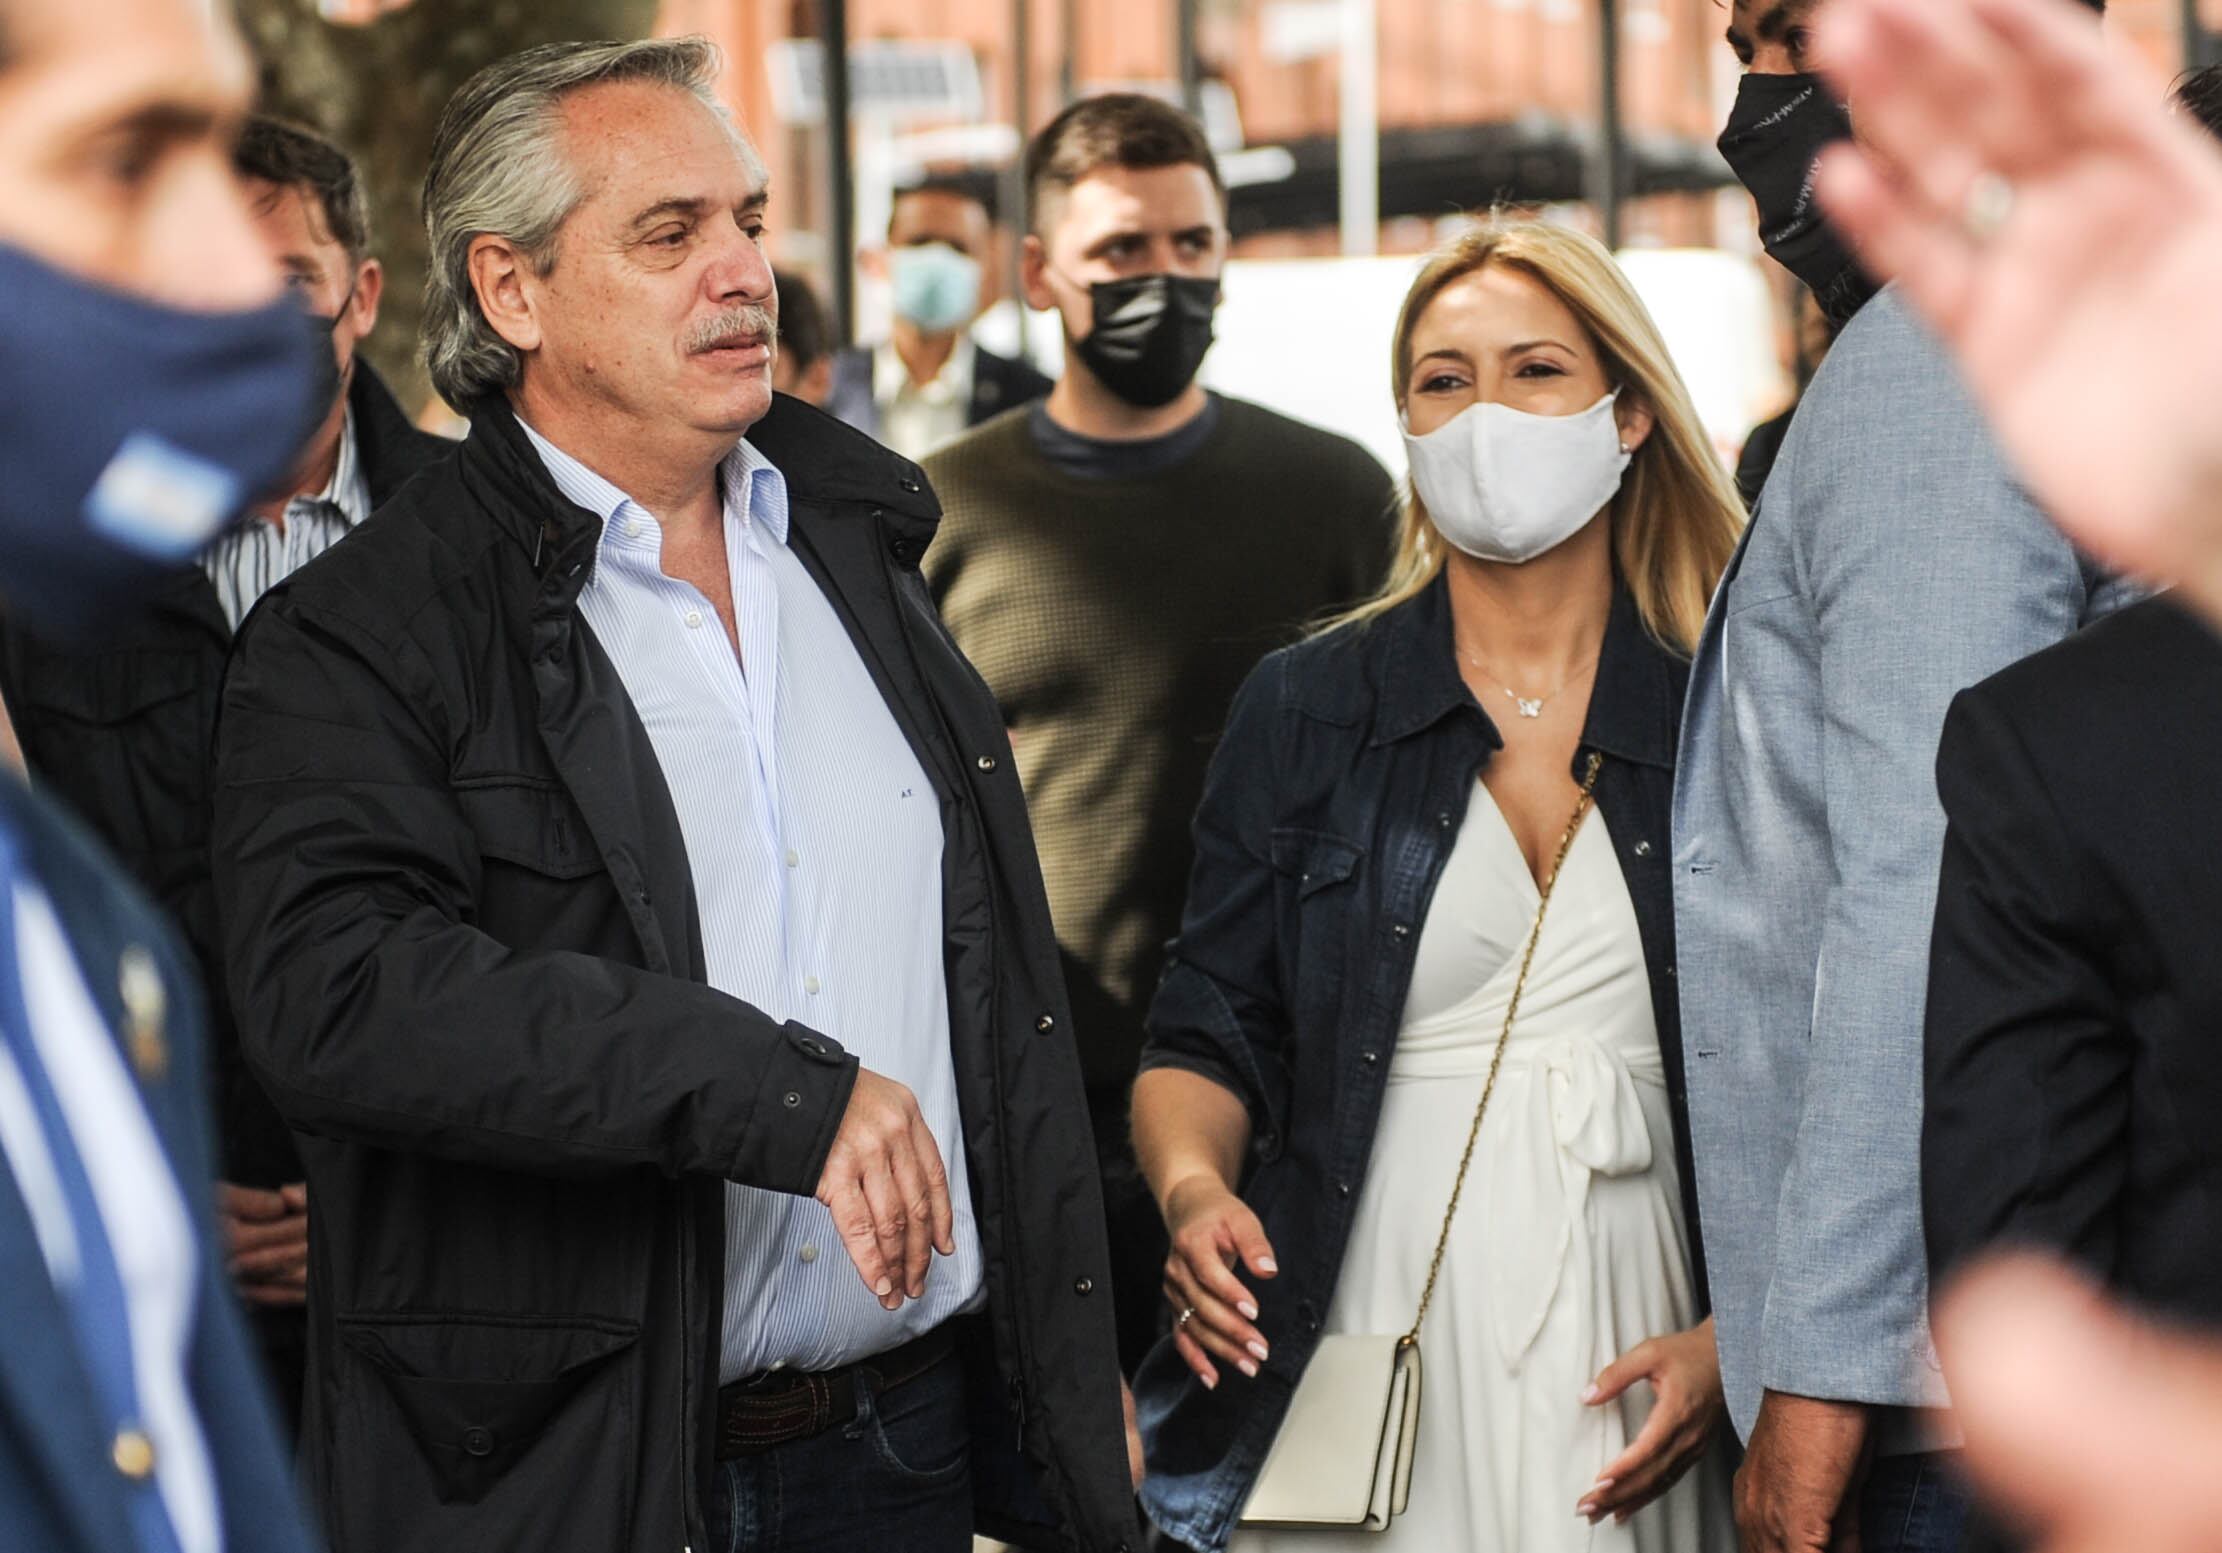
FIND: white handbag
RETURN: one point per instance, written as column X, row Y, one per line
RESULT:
column 1343, row 1457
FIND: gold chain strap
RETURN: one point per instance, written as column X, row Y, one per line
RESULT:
column 1496, row 1060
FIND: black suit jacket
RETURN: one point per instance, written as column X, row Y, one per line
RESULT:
column 998, row 383
column 2075, row 994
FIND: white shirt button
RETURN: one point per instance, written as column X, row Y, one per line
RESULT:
column 810, row 985
column 794, row 858
column 694, row 619
column 632, row 528
column 809, row 1251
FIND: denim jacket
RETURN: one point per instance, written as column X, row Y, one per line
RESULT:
column 1334, row 800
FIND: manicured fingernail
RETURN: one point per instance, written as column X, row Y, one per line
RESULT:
column 1602, row 1485
column 1586, row 1507
column 884, row 1287
column 1249, row 1369
column 1211, row 1382
column 1267, row 1265
column 1589, row 1394
column 1249, row 1311
column 1260, row 1351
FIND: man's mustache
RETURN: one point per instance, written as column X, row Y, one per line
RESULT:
column 748, row 324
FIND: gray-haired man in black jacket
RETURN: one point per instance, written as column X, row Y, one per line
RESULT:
column 631, row 905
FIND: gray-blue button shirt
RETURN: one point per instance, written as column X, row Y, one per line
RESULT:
column 815, row 842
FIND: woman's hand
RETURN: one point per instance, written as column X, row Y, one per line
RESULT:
column 1213, row 1313
column 1684, row 1370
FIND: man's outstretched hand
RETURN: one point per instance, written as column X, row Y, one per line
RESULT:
column 2100, row 1432
column 887, row 1191
column 2085, row 321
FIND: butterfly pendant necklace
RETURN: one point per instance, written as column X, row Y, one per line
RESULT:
column 1529, row 706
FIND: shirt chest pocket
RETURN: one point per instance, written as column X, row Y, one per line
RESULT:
column 1314, row 859
column 531, row 825
column 1319, row 877
column 537, row 864
column 125, row 737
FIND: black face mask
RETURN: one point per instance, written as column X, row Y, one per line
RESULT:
column 1779, row 127
column 325, row 354
column 1149, row 336
column 330, row 376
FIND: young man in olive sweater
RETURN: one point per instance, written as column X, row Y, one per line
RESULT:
column 1116, row 559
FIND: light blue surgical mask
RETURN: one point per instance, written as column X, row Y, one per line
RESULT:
column 936, row 287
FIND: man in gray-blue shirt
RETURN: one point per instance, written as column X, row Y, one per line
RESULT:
column 1892, row 562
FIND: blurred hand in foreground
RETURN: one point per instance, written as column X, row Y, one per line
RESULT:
column 2078, row 294
column 2098, row 1431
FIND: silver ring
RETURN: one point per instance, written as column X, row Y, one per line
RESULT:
column 1184, row 1318
column 1988, row 207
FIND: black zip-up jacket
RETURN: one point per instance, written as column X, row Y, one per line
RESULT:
column 464, row 948
column 125, row 735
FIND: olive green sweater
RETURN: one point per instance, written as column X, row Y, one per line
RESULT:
column 1114, row 619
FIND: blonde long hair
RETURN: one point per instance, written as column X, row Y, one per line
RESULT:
column 1676, row 518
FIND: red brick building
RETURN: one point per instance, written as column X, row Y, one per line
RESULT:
column 1479, row 99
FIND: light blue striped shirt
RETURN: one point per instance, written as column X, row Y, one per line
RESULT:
column 815, row 842
column 256, row 556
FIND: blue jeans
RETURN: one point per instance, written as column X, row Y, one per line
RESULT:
column 1914, row 1504
column 898, row 1475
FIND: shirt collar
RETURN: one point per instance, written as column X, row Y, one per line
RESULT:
column 346, row 493
column 1633, row 707
column 753, row 489
column 891, row 378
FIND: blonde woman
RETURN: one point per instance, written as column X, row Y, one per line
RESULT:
column 1390, row 802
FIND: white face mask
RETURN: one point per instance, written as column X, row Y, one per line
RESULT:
column 1504, row 485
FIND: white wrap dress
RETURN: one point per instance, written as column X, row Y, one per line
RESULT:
column 1570, row 1246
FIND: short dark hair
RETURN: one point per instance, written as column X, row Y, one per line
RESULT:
column 1118, row 129
column 2200, row 94
column 973, row 188
column 803, row 335
column 293, row 156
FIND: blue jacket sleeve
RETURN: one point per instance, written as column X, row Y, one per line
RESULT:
column 1220, row 1010
column 1926, row 569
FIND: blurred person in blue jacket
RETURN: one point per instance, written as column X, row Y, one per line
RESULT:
column 153, row 381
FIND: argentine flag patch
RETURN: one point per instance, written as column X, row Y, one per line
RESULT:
column 161, row 501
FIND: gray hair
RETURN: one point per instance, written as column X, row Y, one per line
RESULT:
column 498, row 167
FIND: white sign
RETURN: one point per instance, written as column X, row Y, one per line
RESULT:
column 1297, row 30
column 896, row 81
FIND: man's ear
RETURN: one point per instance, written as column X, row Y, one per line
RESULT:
column 370, row 287
column 500, row 278
column 1033, row 275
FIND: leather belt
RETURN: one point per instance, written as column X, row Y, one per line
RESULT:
column 782, row 1406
